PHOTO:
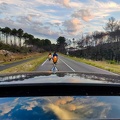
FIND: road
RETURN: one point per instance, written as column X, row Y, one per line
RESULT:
column 66, row 64
column 6, row 66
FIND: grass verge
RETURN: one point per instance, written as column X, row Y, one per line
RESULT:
column 27, row 66
column 18, row 58
column 100, row 64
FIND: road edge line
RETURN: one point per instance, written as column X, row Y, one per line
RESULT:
column 44, row 62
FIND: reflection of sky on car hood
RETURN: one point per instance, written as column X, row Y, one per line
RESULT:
column 56, row 78
column 73, row 107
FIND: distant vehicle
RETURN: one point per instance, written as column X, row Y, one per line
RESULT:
column 49, row 56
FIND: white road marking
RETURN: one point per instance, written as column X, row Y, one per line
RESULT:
column 67, row 65
column 44, row 62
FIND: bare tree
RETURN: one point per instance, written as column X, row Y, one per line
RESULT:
column 111, row 25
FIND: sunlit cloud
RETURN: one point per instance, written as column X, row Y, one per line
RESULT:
column 72, row 26
column 83, row 14
column 64, row 100
column 7, row 107
column 30, row 105
column 63, row 2
column 79, row 108
column 62, row 113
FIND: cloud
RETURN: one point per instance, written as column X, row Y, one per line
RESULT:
column 30, row 105
column 64, row 2
column 64, row 100
column 72, row 26
column 72, row 107
column 101, row 9
column 77, row 108
column 76, row 5
column 57, row 22
column 7, row 107
column 83, row 14
column 62, row 113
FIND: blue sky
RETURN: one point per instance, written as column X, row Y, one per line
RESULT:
column 53, row 18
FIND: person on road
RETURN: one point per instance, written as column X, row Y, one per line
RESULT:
column 55, row 58
column 49, row 56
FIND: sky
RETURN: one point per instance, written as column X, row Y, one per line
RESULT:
column 53, row 18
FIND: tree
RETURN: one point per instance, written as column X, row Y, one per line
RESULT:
column 61, row 43
column 20, row 35
column 14, row 33
column 26, row 37
column 111, row 25
column 0, row 33
column 7, row 32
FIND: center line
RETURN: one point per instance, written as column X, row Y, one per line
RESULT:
column 67, row 65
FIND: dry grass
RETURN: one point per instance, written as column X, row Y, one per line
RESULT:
column 16, row 57
column 27, row 66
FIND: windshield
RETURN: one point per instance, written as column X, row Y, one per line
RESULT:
column 62, row 35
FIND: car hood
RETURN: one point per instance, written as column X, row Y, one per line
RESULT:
column 58, row 107
column 59, row 77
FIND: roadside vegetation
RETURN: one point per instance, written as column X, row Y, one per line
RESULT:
column 15, row 57
column 27, row 66
column 106, row 65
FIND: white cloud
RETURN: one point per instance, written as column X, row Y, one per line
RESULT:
column 30, row 105
column 7, row 107
column 72, row 26
column 56, row 22
column 84, row 14
column 76, row 5
column 63, row 2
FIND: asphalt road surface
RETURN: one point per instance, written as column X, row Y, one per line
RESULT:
column 66, row 64
column 6, row 66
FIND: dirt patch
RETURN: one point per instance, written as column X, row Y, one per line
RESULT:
column 6, row 56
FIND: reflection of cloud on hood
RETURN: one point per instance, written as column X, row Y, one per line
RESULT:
column 62, row 107
column 74, row 80
column 30, row 105
column 78, row 108
column 7, row 107
column 16, row 100
column 62, row 113
column 64, row 100
column 72, row 107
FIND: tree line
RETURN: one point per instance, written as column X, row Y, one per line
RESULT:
column 101, row 45
column 13, row 39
